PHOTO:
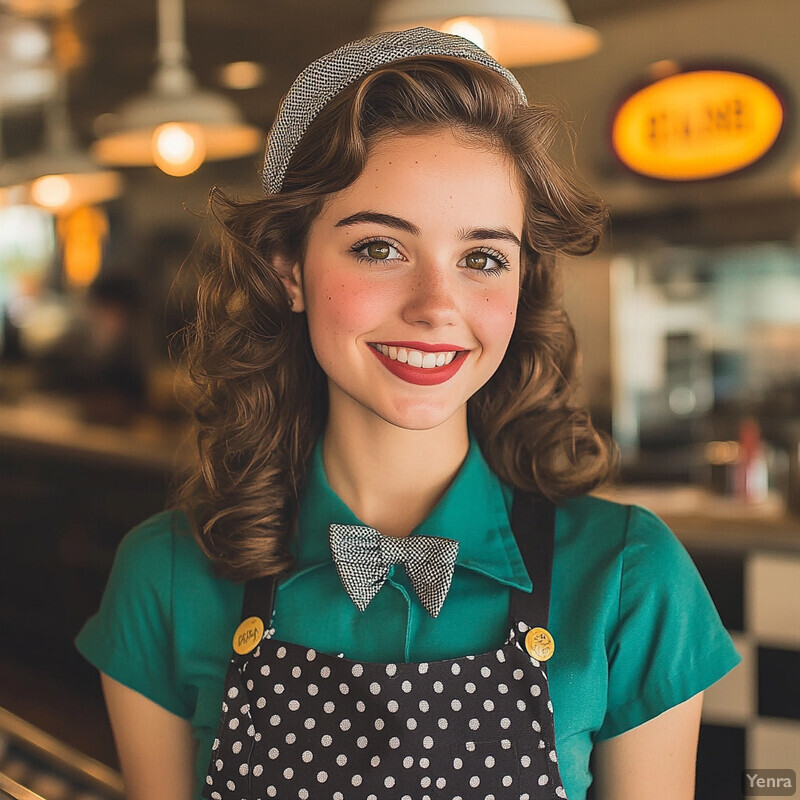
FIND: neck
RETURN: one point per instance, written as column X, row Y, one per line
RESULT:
column 391, row 477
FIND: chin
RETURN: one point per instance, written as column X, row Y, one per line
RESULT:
column 406, row 412
column 422, row 419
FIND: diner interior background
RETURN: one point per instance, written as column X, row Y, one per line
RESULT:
column 688, row 317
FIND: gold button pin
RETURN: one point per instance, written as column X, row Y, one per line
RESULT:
column 248, row 635
column 539, row 644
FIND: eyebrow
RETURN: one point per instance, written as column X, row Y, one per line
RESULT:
column 391, row 221
column 489, row 233
column 377, row 217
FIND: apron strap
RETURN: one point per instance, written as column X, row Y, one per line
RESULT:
column 533, row 523
column 259, row 599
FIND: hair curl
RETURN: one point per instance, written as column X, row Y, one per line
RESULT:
column 260, row 398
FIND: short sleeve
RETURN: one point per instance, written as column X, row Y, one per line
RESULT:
column 668, row 643
column 130, row 638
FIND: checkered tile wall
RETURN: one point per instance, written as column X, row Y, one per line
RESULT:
column 751, row 718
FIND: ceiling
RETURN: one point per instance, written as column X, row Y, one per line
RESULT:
column 118, row 43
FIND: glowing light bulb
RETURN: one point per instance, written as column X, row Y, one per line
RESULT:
column 51, row 191
column 178, row 148
column 242, row 75
column 469, row 30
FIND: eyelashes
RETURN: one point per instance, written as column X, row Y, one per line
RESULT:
column 376, row 249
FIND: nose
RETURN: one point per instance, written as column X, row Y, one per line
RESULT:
column 431, row 298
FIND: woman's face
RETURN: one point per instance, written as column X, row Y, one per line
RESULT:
column 410, row 280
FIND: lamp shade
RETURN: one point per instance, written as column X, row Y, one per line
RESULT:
column 60, row 181
column 515, row 32
column 39, row 8
column 176, row 125
column 205, row 113
column 27, row 77
column 59, row 177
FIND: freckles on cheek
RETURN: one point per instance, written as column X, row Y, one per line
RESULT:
column 498, row 313
column 348, row 306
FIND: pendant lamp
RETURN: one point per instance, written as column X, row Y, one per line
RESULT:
column 176, row 125
column 61, row 177
column 39, row 8
column 516, row 33
column 27, row 76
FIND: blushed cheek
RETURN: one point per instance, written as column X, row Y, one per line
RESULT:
column 497, row 318
column 346, row 306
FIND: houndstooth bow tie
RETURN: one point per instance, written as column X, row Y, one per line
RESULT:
column 363, row 558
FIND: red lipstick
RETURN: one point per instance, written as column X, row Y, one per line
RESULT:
column 419, row 375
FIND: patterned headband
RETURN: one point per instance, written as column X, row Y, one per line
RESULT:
column 322, row 80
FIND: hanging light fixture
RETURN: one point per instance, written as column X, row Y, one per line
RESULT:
column 27, row 77
column 176, row 125
column 39, row 8
column 516, row 32
column 61, row 177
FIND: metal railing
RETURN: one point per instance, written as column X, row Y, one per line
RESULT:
column 55, row 756
column 15, row 791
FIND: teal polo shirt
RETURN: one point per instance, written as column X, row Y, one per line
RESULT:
column 635, row 630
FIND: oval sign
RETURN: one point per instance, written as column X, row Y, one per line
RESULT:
column 697, row 124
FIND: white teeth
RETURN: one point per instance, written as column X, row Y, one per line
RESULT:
column 416, row 357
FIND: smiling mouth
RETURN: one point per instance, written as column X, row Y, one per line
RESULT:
column 415, row 358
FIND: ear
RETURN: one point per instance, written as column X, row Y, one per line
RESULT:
column 291, row 275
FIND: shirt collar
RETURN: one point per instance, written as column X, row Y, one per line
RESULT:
column 474, row 510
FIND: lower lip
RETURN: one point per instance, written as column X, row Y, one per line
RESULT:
column 419, row 375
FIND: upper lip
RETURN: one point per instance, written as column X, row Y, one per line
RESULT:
column 425, row 347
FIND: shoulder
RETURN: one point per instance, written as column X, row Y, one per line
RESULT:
column 154, row 536
column 631, row 597
column 157, row 554
column 625, row 555
column 145, row 553
column 648, row 561
column 145, row 556
column 605, row 524
column 158, row 540
column 589, row 514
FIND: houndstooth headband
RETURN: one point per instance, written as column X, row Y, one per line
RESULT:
column 322, row 80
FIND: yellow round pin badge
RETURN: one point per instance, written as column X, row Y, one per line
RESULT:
column 248, row 635
column 539, row 644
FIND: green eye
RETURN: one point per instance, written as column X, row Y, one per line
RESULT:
column 477, row 260
column 378, row 250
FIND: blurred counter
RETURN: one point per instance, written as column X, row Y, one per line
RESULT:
column 703, row 520
column 53, row 424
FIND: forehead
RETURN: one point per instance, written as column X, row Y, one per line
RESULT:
column 433, row 175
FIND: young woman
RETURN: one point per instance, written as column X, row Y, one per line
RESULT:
column 393, row 474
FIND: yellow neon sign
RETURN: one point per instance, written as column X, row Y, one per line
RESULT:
column 699, row 124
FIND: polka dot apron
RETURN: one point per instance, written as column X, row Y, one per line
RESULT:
column 296, row 723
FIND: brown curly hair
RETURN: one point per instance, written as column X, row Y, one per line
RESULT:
column 261, row 398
